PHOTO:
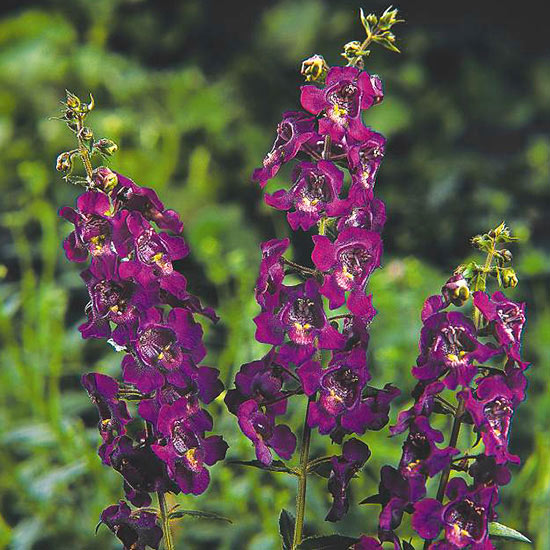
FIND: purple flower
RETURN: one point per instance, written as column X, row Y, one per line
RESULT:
column 272, row 273
column 371, row 216
column 354, row 455
column 394, row 494
column 485, row 471
column 136, row 530
column 302, row 318
column 356, row 327
column 315, row 188
column 421, row 458
column 506, row 317
column 98, row 230
column 465, row 518
column 186, row 451
column 260, row 428
column 340, row 388
column 144, row 200
column 492, row 413
column 367, row 543
column 448, row 343
column 347, row 91
column 113, row 299
column 292, row 133
column 113, row 413
column 347, row 262
column 259, row 380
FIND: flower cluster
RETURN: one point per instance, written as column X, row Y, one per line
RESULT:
column 458, row 354
column 328, row 139
column 140, row 304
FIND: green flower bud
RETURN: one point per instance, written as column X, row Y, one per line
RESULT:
column 86, row 134
column 509, row 277
column 314, row 69
column 64, row 162
column 104, row 178
column 106, row 146
column 73, row 102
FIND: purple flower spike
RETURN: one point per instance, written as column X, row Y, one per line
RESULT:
column 448, row 343
column 354, row 455
column 347, row 91
column 144, row 200
column 347, row 263
column 492, row 413
column 272, row 273
column 302, row 318
column 261, row 430
column 293, row 132
column 136, row 530
column 187, row 452
column 506, row 317
column 315, row 188
column 113, row 413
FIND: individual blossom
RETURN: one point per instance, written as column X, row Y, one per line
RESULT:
column 113, row 413
column 492, row 410
column 347, row 92
column 464, row 518
column 370, row 216
column 448, row 344
column 316, row 186
column 340, row 387
column 485, row 471
column 272, row 273
column 260, row 428
column 506, row 318
column 293, row 132
column 136, row 530
column 354, row 456
column 302, row 318
column 186, row 451
column 367, row 543
column 347, row 262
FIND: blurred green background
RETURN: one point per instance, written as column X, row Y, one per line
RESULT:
column 192, row 92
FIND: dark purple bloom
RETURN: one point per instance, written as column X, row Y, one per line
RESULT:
column 292, row 133
column 465, row 518
column 316, row 186
column 485, row 471
column 259, row 380
column 186, row 451
column 301, row 318
column 432, row 305
column 371, row 216
column 347, row 262
column 347, row 91
column 98, row 229
column 356, row 327
column 113, row 413
column 340, row 388
column 394, row 494
column 506, row 317
column 136, row 530
column 492, row 410
column 354, row 455
column 367, row 543
column 260, row 428
column 448, row 343
column 133, row 197
column 272, row 273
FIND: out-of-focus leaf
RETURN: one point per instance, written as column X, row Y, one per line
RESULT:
column 500, row 531
column 287, row 521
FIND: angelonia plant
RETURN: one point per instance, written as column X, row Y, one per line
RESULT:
column 470, row 368
column 151, row 419
column 316, row 318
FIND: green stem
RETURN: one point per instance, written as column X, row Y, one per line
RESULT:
column 83, row 150
column 302, row 482
column 166, row 531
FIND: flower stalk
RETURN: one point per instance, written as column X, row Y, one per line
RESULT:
column 165, row 521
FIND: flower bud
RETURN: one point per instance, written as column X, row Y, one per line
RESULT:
column 352, row 49
column 456, row 290
column 314, row 69
column 104, row 178
column 73, row 102
column 64, row 162
column 509, row 277
column 106, row 146
column 86, row 134
column 505, row 255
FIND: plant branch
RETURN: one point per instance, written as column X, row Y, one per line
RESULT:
column 166, row 531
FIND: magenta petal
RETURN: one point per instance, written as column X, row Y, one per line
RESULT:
column 426, row 520
column 313, row 99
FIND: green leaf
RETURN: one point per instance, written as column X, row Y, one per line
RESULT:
column 327, row 542
column 275, row 466
column 198, row 514
column 286, row 528
column 499, row 531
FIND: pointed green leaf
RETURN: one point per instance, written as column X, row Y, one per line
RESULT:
column 327, row 542
column 497, row 530
column 275, row 466
column 198, row 514
column 286, row 528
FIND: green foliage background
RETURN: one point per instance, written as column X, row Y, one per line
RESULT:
column 192, row 92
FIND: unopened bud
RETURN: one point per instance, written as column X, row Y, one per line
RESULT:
column 106, row 146
column 456, row 290
column 508, row 277
column 104, row 178
column 64, row 162
column 315, row 68
column 352, row 49
column 73, row 102
column 505, row 255
column 86, row 134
